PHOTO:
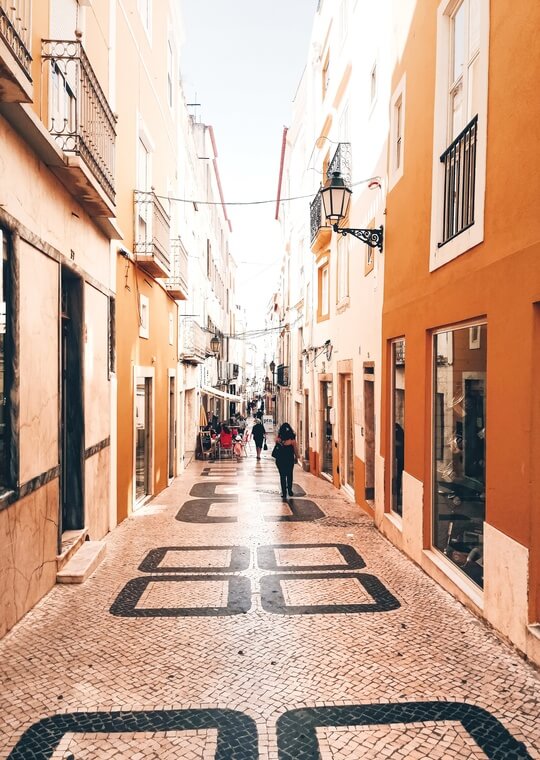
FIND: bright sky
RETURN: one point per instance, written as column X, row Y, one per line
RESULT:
column 242, row 61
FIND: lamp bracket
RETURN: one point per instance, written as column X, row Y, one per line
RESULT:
column 373, row 238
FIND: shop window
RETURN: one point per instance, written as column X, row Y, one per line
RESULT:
column 398, row 424
column 459, row 447
column 4, row 363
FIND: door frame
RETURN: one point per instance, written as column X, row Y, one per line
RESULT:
column 144, row 372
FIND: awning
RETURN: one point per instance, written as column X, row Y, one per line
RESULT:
column 219, row 394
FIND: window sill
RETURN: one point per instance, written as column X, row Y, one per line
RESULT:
column 459, row 579
column 343, row 305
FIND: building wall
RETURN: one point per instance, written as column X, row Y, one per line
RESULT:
column 499, row 281
column 50, row 229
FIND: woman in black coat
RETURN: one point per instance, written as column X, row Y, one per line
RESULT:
column 286, row 455
column 258, row 433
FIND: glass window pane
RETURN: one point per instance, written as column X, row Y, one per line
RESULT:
column 458, row 42
column 474, row 27
column 398, row 423
column 459, row 424
column 458, row 121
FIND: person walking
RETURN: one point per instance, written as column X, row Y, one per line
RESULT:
column 286, row 456
column 258, row 433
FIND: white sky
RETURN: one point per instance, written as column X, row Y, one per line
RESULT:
column 242, row 61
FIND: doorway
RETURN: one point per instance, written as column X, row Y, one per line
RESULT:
column 327, row 436
column 306, row 427
column 71, row 403
column 172, row 429
column 347, row 433
column 143, row 443
column 369, row 431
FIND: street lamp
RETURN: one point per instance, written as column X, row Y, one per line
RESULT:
column 215, row 344
column 336, row 197
column 272, row 366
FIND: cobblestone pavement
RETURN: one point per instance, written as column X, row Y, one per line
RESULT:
column 225, row 623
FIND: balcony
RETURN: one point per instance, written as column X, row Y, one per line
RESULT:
column 321, row 233
column 341, row 162
column 176, row 285
column 80, row 121
column 195, row 342
column 459, row 161
column 152, row 234
column 15, row 58
column 283, row 375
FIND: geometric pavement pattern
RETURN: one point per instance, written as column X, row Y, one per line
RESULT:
column 424, row 679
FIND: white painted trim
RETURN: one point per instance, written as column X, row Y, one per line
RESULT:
column 139, row 371
column 475, row 234
column 454, row 574
column 395, row 174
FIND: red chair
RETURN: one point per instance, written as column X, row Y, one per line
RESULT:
column 225, row 445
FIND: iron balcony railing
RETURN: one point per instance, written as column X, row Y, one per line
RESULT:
column 15, row 17
column 459, row 161
column 316, row 215
column 176, row 284
column 283, row 375
column 341, row 162
column 153, row 225
column 194, row 341
column 79, row 116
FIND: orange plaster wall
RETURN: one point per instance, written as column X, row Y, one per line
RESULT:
column 499, row 279
column 133, row 351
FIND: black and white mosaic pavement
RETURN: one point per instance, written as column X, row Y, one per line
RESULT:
column 236, row 738
column 297, row 738
column 227, row 623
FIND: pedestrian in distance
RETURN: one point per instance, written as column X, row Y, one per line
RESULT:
column 258, row 433
column 286, row 455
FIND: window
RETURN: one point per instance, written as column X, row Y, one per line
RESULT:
column 397, row 434
column 325, row 74
column 170, row 73
column 397, row 128
column 460, row 129
column 323, row 311
column 370, row 254
column 373, row 85
column 145, row 10
column 144, row 317
column 459, row 448
column 343, row 268
column 4, row 363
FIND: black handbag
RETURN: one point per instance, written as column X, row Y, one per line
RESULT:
column 265, row 446
column 275, row 450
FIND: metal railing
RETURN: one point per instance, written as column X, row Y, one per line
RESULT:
column 179, row 274
column 194, row 341
column 153, row 224
column 15, row 17
column 316, row 215
column 459, row 161
column 79, row 116
column 341, row 162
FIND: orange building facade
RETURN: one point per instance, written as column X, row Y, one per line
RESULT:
column 461, row 317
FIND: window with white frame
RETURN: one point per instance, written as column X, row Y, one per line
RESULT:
column 324, row 291
column 460, row 128
column 397, row 129
column 145, row 11
column 144, row 316
column 343, row 268
column 170, row 73
column 373, row 85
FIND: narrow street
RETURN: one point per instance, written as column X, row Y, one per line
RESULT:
column 226, row 623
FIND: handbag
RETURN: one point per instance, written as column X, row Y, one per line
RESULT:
column 265, row 446
column 275, row 450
